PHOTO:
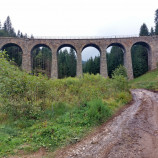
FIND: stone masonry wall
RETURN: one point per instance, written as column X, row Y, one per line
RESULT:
column 27, row 45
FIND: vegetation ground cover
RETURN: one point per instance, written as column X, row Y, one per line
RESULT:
column 146, row 81
column 39, row 112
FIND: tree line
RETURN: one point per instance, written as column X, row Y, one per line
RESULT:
column 7, row 30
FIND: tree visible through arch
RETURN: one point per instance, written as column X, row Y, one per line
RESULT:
column 66, row 56
column 115, row 57
column 41, row 56
column 140, row 58
column 14, row 53
column 91, row 59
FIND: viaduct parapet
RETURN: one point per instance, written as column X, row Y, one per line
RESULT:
column 27, row 45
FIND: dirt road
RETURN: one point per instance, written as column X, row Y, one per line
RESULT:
column 132, row 134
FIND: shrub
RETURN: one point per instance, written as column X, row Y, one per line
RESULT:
column 98, row 111
column 120, row 83
column 119, row 71
column 60, row 108
column 22, row 95
column 119, row 77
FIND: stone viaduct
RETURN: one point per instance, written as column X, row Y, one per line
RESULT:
column 27, row 45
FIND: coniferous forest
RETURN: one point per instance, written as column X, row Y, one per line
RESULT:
column 42, row 58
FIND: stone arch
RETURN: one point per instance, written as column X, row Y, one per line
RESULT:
column 118, row 45
column 11, row 44
column 17, row 57
column 47, row 61
column 145, row 44
column 114, row 60
column 149, row 52
column 40, row 45
column 66, row 45
column 92, row 45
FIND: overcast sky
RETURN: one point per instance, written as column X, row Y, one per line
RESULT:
column 79, row 17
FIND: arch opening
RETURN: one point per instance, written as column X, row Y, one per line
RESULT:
column 67, row 61
column 41, row 60
column 141, row 58
column 14, row 53
column 115, row 57
column 91, row 59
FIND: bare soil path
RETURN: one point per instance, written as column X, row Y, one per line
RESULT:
column 132, row 134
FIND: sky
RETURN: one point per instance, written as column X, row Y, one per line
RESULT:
column 79, row 17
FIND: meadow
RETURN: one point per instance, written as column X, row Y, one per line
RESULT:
column 37, row 112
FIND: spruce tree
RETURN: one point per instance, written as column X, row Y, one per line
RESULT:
column 72, row 62
column 97, row 64
column 156, row 16
column 9, row 30
column 156, row 22
column 21, row 35
column 140, row 55
column 12, row 32
column 152, row 31
column 144, row 30
column 5, row 26
column 8, row 25
column 18, row 34
column 32, row 37
column 156, row 29
column 92, row 66
column 114, row 59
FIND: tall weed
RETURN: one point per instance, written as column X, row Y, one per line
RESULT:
column 98, row 111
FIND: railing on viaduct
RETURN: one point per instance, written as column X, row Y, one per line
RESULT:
column 83, row 37
column 80, row 43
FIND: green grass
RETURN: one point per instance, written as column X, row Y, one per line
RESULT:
column 63, row 128
column 37, row 112
column 146, row 81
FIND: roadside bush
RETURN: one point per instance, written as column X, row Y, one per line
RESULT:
column 120, row 83
column 60, row 108
column 119, row 78
column 22, row 95
column 21, row 109
column 98, row 111
column 119, row 71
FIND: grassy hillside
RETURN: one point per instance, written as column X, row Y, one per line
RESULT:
column 36, row 112
column 147, row 81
